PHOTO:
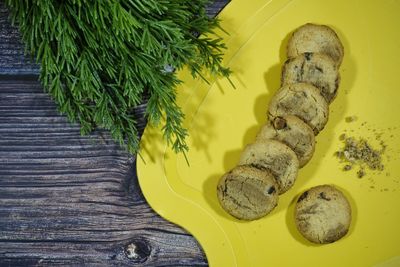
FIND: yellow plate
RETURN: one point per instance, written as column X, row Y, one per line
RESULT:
column 221, row 121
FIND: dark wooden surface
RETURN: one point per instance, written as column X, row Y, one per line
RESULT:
column 67, row 199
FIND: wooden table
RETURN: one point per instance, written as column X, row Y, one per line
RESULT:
column 67, row 199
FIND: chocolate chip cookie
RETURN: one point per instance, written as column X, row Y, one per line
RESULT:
column 317, row 39
column 247, row 193
column 318, row 69
column 275, row 157
column 323, row 214
column 302, row 100
column 293, row 132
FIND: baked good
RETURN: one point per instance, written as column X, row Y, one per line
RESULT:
column 293, row 132
column 323, row 214
column 247, row 193
column 318, row 69
column 317, row 39
column 302, row 100
column 273, row 156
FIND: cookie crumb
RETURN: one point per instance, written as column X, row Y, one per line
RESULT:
column 358, row 152
column 347, row 167
column 350, row 118
column 361, row 173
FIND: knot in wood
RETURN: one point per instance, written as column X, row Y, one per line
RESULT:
column 137, row 251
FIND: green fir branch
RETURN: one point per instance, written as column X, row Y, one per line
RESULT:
column 98, row 58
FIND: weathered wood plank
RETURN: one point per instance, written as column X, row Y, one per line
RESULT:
column 71, row 199
column 13, row 61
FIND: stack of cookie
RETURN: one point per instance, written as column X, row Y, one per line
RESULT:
column 297, row 112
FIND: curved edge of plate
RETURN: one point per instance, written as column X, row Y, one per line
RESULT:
column 164, row 197
column 166, row 201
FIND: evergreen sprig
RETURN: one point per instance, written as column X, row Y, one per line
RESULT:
column 98, row 58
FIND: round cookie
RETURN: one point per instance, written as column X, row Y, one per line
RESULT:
column 318, row 69
column 294, row 133
column 273, row 156
column 302, row 100
column 247, row 193
column 317, row 39
column 323, row 214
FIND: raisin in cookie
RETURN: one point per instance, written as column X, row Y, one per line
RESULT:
column 317, row 69
column 293, row 132
column 318, row 39
column 247, row 193
column 323, row 214
column 302, row 100
column 273, row 156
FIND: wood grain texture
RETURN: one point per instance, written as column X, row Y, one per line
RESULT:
column 69, row 199
column 66, row 199
column 12, row 56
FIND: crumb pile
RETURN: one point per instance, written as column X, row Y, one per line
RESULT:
column 359, row 153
